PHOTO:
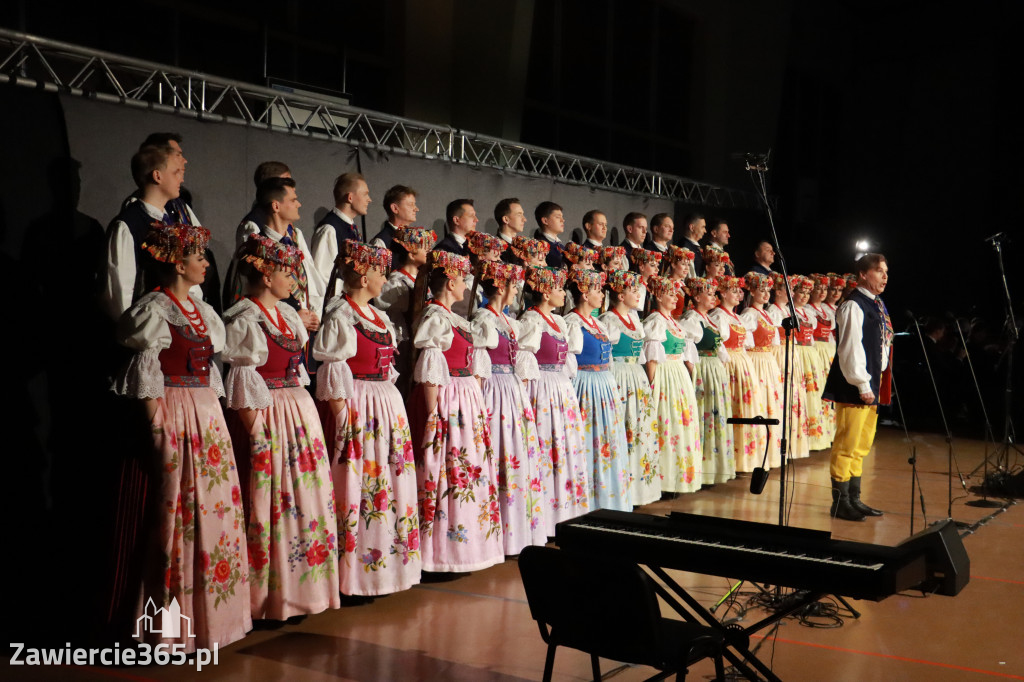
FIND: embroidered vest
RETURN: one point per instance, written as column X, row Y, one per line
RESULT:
column 186, row 362
column 374, row 354
column 284, row 355
column 459, row 355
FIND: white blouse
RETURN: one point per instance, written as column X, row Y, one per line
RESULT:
column 656, row 331
column 143, row 328
column 486, row 328
column 533, row 327
column 615, row 326
column 337, row 340
column 245, row 349
column 433, row 337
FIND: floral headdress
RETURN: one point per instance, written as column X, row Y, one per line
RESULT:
column 609, row 253
column 659, row 286
column 641, row 257
column 620, row 280
column 544, row 279
column 801, row 283
column 714, row 254
column 836, row 281
column 820, row 280
column 851, row 279
column 678, row 253
column 453, row 264
column 757, row 280
column 727, row 282
column 585, row 280
column 580, row 255
column 412, row 238
column 525, row 248
column 700, row 285
column 267, row 255
column 171, row 243
column 362, row 257
column 481, row 242
column 501, row 273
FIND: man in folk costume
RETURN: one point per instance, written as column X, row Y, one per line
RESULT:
column 351, row 202
column 858, row 382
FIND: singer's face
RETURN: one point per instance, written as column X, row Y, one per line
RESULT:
column 875, row 279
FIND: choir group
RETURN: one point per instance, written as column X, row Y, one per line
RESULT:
column 438, row 411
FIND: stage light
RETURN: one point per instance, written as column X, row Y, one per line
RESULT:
column 863, row 245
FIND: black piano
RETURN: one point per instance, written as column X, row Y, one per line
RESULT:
column 810, row 561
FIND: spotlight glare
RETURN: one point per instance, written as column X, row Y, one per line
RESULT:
column 863, row 245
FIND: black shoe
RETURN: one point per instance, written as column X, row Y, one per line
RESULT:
column 855, row 500
column 841, row 507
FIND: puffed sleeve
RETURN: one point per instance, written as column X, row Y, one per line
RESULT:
column 749, row 319
column 611, row 327
column 335, row 343
column 690, row 354
column 655, row 334
column 433, row 337
column 245, row 349
column 573, row 333
column 485, row 336
column 526, row 362
column 692, row 327
column 528, row 332
column 143, row 328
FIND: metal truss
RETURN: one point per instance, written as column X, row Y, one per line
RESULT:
column 34, row 62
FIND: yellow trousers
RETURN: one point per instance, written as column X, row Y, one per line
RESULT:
column 855, row 432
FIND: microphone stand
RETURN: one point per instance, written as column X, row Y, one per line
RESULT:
column 757, row 165
column 915, row 480
column 1002, row 453
column 945, row 425
column 990, row 436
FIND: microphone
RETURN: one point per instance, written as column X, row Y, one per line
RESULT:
column 997, row 237
column 758, row 479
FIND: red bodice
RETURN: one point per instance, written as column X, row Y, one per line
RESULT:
column 284, row 355
column 764, row 333
column 374, row 354
column 459, row 355
column 186, row 362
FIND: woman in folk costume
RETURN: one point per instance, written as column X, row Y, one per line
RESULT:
column 836, row 285
column 676, row 420
column 372, row 448
column 778, row 310
column 529, row 253
column 635, row 392
column 676, row 267
column 409, row 250
column 711, row 383
column 815, row 370
column 824, row 343
column 748, row 441
column 545, row 340
column 523, row 471
column 197, row 555
column 715, row 261
column 648, row 264
column 289, row 501
column 483, row 248
column 457, row 477
column 580, row 257
column 765, row 336
column 604, row 428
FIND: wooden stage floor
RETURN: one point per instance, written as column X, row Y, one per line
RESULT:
column 478, row 627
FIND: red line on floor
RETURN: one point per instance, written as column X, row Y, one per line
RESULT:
column 895, row 658
column 1001, row 580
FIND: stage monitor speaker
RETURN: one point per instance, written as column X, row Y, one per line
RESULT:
column 948, row 566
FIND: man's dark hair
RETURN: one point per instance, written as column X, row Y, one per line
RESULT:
column 631, row 218
column 271, row 190
column 148, row 159
column 394, row 195
column 160, row 140
column 454, row 209
column 589, row 216
column 544, row 210
column 269, row 169
column 716, row 223
column 504, row 208
column 869, row 261
column 658, row 219
column 690, row 219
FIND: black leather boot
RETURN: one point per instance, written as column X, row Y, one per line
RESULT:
column 841, row 507
column 855, row 501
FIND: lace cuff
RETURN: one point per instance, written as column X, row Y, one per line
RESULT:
column 216, row 381
column 481, row 363
column 334, row 381
column 142, row 378
column 526, row 366
column 246, row 389
column 655, row 351
column 570, row 366
column 303, row 375
column 431, row 368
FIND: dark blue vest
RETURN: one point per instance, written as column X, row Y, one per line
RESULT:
column 139, row 224
column 386, row 234
column 837, row 388
column 342, row 230
column 554, row 258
